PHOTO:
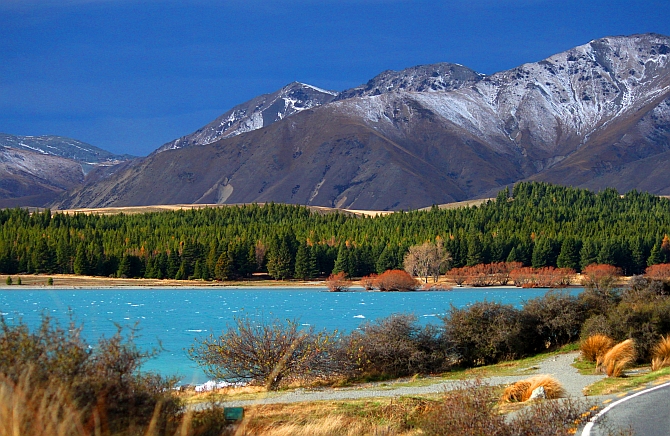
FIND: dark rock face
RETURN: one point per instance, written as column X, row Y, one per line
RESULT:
column 595, row 116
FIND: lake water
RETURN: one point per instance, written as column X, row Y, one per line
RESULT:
column 174, row 317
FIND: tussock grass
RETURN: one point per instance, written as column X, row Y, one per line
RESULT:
column 522, row 390
column 661, row 354
column 28, row 410
column 618, row 358
column 595, row 346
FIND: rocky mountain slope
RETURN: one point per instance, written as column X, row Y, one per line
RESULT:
column 597, row 115
column 34, row 170
column 62, row 147
column 255, row 114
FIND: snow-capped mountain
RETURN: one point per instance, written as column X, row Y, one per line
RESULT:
column 34, row 170
column 29, row 178
column 422, row 78
column 255, row 114
column 63, row 147
column 597, row 115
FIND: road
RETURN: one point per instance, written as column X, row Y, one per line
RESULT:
column 646, row 412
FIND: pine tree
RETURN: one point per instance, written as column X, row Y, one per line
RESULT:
column 302, row 263
column 607, row 254
column 342, row 260
column 542, row 254
column 173, row 263
column 81, row 265
column 638, row 259
column 655, row 257
column 222, row 268
column 125, row 267
column 475, row 251
column 279, row 262
column 588, row 254
column 386, row 261
column 312, row 265
column 513, row 256
column 569, row 255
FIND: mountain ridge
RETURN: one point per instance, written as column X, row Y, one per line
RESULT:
column 578, row 117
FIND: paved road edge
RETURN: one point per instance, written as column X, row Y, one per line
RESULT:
column 591, row 423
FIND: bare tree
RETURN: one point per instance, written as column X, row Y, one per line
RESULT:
column 264, row 352
column 426, row 260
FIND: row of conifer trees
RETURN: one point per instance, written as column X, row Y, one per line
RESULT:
column 536, row 224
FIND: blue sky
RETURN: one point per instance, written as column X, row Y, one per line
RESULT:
column 130, row 75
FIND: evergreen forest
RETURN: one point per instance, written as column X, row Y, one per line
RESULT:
column 537, row 224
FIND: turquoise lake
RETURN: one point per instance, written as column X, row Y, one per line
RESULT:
column 175, row 317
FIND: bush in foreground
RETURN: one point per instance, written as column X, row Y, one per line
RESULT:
column 100, row 385
column 472, row 410
column 397, row 346
column 485, row 333
column 265, row 352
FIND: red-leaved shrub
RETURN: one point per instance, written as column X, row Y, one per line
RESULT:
column 395, row 280
column 337, row 282
column 658, row 272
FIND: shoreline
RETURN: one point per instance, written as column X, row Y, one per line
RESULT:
column 64, row 282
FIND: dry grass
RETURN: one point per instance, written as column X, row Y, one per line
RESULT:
column 595, row 346
column 26, row 410
column 661, row 354
column 618, row 358
column 384, row 417
column 522, row 390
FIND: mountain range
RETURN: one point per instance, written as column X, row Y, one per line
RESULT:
column 595, row 116
column 35, row 170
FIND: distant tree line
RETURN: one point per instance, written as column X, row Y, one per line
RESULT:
column 536, row 224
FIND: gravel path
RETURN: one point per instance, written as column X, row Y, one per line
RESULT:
column 558, row 366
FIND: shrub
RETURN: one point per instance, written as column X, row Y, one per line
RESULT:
column 368, row 282
column 99, row 383
column 642, row 322
column 642, row 289
column 557, row 317
column 521, row 391
column 264, row 352
column 395, row 280
column 601, row 277
column 595, row 347
column 661, row 354
column 618, row 358
column 658, row 272
column 485, row 333
column 9, row 281
column 471, row 410
column 436, row 287
column 458, row 275
column 595, row 325
column 337, row 282
column 397, row 346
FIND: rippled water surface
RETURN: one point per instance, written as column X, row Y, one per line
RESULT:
column 174, row 317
